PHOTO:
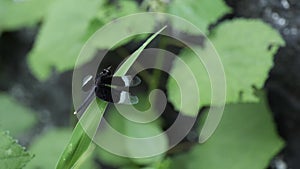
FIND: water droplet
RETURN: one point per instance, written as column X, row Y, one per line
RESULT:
column 280, row 164
column 275, row 16
column 282, row 22
column 285, row 4
column 294, row 31
column 278, row 19
column 8, row 152
column 70, row 147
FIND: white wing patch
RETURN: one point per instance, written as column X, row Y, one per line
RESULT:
column 87, row 82
column 127, row 80
column 87, row 79
column 123, row 97
column 126, row 98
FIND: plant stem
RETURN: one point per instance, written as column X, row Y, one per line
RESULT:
column 144, row 74
column 158, row 64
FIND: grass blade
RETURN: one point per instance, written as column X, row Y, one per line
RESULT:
column 80, row 141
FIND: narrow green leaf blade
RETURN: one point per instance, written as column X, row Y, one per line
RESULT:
column 127, row 64
column 80, row 141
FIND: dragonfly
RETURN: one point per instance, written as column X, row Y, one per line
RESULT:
column 109, row 88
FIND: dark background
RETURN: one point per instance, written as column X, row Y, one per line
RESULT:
column 282, row 86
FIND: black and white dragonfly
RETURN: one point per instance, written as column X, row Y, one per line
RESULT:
column 113, row 89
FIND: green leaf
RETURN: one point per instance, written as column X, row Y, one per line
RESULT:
column 200, row 13
column 62, row 36
column 17, row 14
column 48, row 147
column 246, row 58
column 243, row 48
column 127, row 64
column 246, row 138
column 112, row 159
column 145, row 130
column 111, row 11
column 112, row 35
column 12, row 155
column 118, row 9
column 15, row 117
column 130, row 147
column 80, row 140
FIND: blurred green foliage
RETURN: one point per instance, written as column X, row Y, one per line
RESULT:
column 48, row 147
column 12, row 155
column 201, row 13
column 16, row 14
column 61, row 36
column 245, row 57
column 87, row 126
column 246, row 136
column 15, row 117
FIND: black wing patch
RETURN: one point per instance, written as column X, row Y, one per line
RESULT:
column 113, row 95
column 111, row 89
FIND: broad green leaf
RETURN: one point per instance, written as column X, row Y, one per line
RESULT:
column 48, row 147
column 111, row 11
column 246, row 138
column 201, row 13
column 243, row 46
column 62, row 36
column 15, row 117
column 90, row 120
column 243, row 49
column 15, row 14
column 131, row 167
column 132, row 148
column 12, row 155
column 125, row 27
column 112, row 159
column 140, row 147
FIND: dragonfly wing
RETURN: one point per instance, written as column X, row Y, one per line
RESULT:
column 87, row 83
column 127, row 98
column 121, row 81
column 113, row 95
